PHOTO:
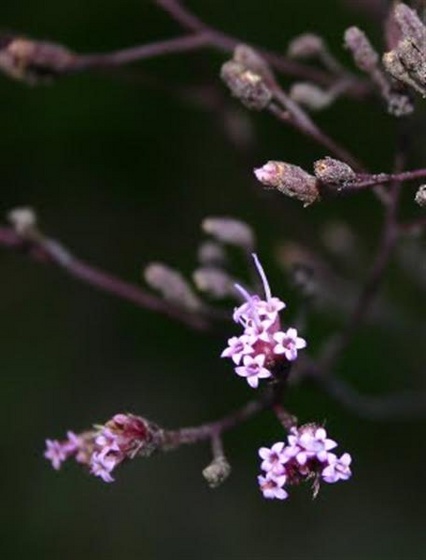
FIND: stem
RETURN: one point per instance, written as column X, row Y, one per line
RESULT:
column 211, row 430
column 178, row 45
column 364, row 181
column 50, row 251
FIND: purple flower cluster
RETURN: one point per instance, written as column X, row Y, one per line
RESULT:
column 263, row 345
column 102, row 450
column 305, row 456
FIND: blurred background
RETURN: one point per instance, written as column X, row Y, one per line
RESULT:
column 122, row 167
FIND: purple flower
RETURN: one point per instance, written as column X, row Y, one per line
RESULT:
column 312, row 442
column 253, row 370
column 337, row 469
column 56, row 453
column 238, row 346
column 288, row 343
column 263, row 341
column 306, row 457
column 272, row 486
column 273, row 458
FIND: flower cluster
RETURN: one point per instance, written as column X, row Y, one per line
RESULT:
column 104, row 448
column 263, row 349
column 305, row 456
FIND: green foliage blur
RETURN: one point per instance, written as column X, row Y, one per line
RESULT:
column 122, row 167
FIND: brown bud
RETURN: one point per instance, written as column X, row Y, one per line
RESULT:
column 34, row 61
column 333, row 172
column 289, row 179
column 217, row 472
column 252, row 60
column 248, row 86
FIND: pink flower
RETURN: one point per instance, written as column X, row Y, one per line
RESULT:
column 306, row 457
column 288, row 343
column 337, row 469
column 263, row 341
column 56, row 453
column 253, row 370
column 272, row 486
column 238, row 346
column 273, row 458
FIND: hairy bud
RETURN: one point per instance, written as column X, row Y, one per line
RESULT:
column 172, row 285
column 211, row 254
column 289, row 179
column 311, row 96
column 230, row 231
column 420, row 197
column 365, row 56
column 252, row 60
column 304, row 46
column 248, row 86
column 23, row 219
column 217, row 472
column 215, row 282
column 34, row 61
column 333, row 172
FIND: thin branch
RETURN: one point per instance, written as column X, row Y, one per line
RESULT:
column 211, row 430
column 364, row 181
column 177, row 45
column 50, row 251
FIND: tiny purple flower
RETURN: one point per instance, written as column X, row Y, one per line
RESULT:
column 56, row 453
column 272, row 486
column 273, row 458
column 337, row 469
column 238, row 346
column 253, row 370
column 288, row 343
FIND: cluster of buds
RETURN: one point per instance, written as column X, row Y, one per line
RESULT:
column 406, row 60
column 306, row 456
column 264, row 350
column 104, row 448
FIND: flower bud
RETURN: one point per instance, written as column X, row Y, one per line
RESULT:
column 215, row 282
column 217, row 472
column 172, row 285
column 420, row 197
column 34, row 61
column 307, row 45
column 311, row 96
column 248, row 86
column 252, row 60
column 365, row 56
column 230, row 231
column 333, row 172
column 289, row 179
column 23, row 219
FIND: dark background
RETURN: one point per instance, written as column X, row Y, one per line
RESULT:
column 123, row 173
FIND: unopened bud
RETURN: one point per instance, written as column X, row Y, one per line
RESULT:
column 252, row 60
column 248, row 86
column 172, row 285
column 289, row 179
column 34, row 61
column 217, row 472
column 333, row 171
column 365, row 56
column 420, row 197
column 230, row 231
column 410, row 24
column 211, row 253
column 307, row 45
column 311, row 96
column 215, row 282
column 24, row 220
